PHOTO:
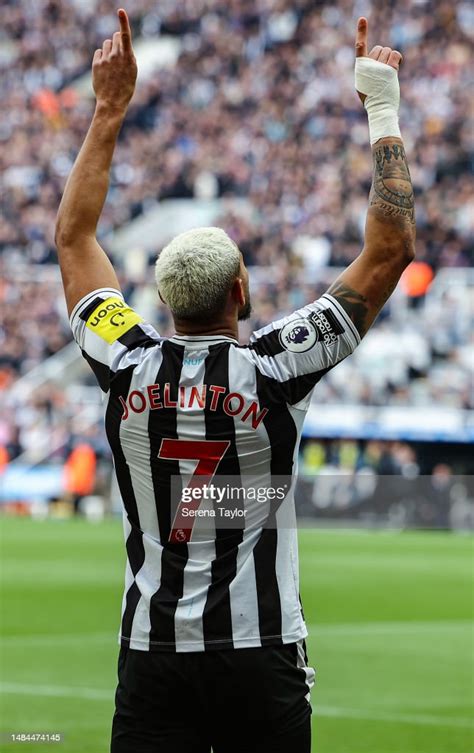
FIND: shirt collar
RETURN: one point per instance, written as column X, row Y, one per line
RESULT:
column 182, row 339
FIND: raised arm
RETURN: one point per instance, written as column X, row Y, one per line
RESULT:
column 389, row 246
column 84, row 265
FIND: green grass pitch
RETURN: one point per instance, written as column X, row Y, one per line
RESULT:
column 390, row 620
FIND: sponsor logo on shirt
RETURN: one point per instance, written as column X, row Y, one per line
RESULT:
column 112, row 318
column 298, row 335
column 328, row 327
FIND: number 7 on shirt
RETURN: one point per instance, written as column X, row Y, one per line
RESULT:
column 208, row 453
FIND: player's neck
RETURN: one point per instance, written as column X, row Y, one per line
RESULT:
column 222, row 327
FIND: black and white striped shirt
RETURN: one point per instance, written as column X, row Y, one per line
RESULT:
column 171, row 402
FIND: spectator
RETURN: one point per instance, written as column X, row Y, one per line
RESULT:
column 260, row 104
column 79, row 471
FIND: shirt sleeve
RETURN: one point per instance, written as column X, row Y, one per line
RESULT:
column 110, row 334
column 295, row 352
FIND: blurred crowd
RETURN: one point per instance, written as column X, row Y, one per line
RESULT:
column 260, row 104
column 384, row 458
column 385, row 483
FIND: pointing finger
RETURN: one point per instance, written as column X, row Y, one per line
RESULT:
column 361, row 38
column 125, row 30
column 395, row 59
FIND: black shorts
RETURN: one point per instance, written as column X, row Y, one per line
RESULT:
column 247, row 700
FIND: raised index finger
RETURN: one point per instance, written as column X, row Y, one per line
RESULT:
column 361, row 37
column 126, row 34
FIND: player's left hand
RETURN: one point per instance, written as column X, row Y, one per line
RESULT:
column 386, row 55
column 114, row 68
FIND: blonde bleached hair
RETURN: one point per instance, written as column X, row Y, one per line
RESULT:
column 195, row 272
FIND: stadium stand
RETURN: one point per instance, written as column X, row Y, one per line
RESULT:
column 257, row 118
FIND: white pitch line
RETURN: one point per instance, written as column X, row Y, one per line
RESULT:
column 384, row 716
column 55, row 639
column 56, row 691
column 96, row 694
column 383, row 628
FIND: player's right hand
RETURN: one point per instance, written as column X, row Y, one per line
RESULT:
column 381, row 54
column 114, row 68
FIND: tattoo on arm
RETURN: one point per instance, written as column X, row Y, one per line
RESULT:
column 392, row 202
column 355, row 305
column 392, row 191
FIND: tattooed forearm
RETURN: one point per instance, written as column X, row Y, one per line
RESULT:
column 353, row 303
column 392, row 191
column 389, row 243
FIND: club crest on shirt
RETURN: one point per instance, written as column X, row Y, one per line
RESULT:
column 298, row 335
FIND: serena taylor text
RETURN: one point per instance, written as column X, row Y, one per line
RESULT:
column 211, row 396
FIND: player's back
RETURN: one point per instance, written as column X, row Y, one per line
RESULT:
column 205, row 406
column 198, row 406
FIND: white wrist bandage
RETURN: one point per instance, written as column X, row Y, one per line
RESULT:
column 379, row 82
